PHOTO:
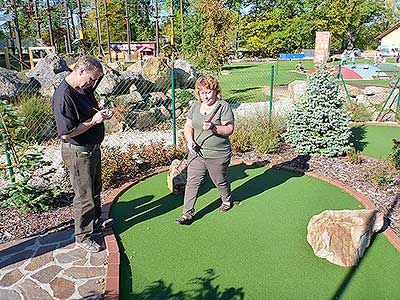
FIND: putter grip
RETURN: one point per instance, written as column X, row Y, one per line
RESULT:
column 214, row 112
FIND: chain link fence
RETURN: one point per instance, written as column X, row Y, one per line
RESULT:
column 151, row 107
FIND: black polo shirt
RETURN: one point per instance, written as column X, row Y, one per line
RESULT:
column 72, row 108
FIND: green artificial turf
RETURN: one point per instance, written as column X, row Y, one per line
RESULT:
column 256, row 251
column 375, row 141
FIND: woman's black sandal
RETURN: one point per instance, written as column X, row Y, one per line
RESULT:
column 184, row 219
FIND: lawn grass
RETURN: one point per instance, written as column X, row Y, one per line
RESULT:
column 258, row 250
column 375, row 141
column 250, row 82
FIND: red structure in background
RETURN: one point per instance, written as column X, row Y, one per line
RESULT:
column 139, row 50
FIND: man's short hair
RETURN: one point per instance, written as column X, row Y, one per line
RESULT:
column 89, row 63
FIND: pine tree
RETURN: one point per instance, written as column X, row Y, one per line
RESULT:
column 318, row 126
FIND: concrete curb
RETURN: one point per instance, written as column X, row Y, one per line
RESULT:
column 112, row 273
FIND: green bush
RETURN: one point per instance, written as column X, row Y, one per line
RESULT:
column 22, row 194
column 382, row 176
column 318, row 125
column 257, row 132
column 184, row 97
column 358, row 112
column 353, row 156
column 394, row 156
column 39, row 118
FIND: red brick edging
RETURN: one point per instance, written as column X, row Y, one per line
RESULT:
column 112, row 276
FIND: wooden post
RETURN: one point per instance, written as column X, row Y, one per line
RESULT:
column 128, row 29
column 108, row 32
column 157, row 29
column 17, row 34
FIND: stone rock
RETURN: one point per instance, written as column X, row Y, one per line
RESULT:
column 10, row 278
column 373, row 90
column 140, row 119
column 49, row 72
column 157, row 71
column 117, row 65
column 32, row 291
column 47, row 274
column 85, row 272
column 185, row 74
column 297, row 89
column 177, row 174
column 39, row 261
column 90, row 288
column 132, row 88
column 135, row 67
column 9, row 295
column 62, row 288
column 13, row 84
column 130, row 100
column 341, row 237
column 71, row 256
column 166, row 113
column 98, row 259
column 110, row 82
column 157, row 98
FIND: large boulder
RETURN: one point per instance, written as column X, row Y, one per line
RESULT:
column 297, row 89
column 46, row 69
column 177, row 174
column 157, row 71
column 144, row 119
column 185, row 74
column 13, row 84
column 341, row 237
column 110, row 82
column 48, row 87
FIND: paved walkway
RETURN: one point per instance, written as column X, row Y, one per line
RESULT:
column 51, row 267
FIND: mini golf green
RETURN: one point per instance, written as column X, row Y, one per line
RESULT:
column 375, row 141
column 257, row 250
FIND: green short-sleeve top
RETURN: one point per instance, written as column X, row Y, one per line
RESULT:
column 212, row 145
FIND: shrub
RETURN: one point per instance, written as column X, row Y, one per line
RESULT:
column 394, row 156
column 119, row 165
column 317, row 125
column 257, row 132
column 358, row 112
column 184, row 97
column 353, row 156
column 382, row 175
column 22, row 194
column 39, row 119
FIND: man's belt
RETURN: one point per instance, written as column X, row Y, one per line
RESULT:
column 81, row 147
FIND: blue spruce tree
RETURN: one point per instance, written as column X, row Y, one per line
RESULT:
column 318, row 126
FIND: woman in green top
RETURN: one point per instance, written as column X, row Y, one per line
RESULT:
column 209, row 124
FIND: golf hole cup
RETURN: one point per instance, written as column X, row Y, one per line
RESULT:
column 108, row 113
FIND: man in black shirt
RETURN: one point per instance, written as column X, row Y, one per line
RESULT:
column 80, row 127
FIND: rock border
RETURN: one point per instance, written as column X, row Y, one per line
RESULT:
column 112, row 272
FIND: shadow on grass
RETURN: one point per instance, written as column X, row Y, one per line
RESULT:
column 203, row 289
column 358, row 134
column 225, row 68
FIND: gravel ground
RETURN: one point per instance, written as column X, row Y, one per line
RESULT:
column 16, row 225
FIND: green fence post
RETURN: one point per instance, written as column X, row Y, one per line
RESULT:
column 8, row 158
column 387, row 100
column 271, row 91
column 173, row 104
column 398, row 104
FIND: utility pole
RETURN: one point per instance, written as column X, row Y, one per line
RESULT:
column 157, row 29
column 68, row 35
column 50, row 24
column 108, row 32
column 128, row 29
column 17, row 34
column 39, row 35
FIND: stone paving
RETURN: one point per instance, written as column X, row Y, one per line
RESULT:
column 51, row 267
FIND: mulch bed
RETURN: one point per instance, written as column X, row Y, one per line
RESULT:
column 16, row 225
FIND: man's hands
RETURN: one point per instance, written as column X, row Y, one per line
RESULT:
column 101, row 116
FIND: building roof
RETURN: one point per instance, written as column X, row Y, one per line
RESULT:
column 391, row 29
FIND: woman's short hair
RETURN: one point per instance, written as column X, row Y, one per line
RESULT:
column 89, row 63
column 207, row 82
